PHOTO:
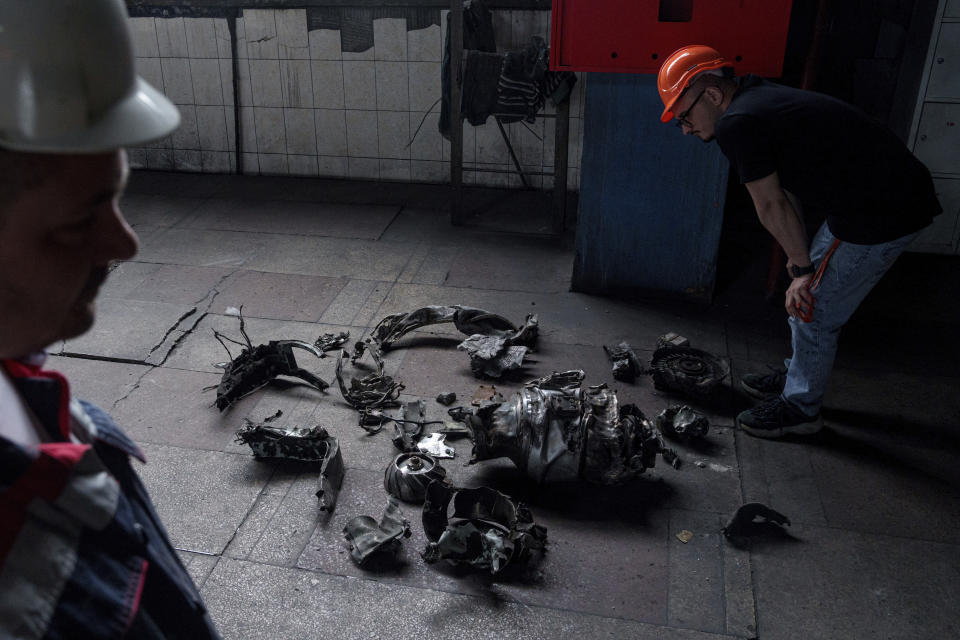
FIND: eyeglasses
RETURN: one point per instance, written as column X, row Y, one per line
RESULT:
column 682, row 117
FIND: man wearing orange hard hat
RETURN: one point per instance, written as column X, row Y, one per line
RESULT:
column 794, row 149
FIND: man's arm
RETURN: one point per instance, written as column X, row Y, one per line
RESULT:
column 784, row 223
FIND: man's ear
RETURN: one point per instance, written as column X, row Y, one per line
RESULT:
column 714, row 94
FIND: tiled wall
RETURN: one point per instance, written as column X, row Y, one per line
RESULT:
column 308, row 108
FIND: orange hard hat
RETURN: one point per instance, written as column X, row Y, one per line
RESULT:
column 678, row 70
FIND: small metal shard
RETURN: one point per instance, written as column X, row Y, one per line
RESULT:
column 331, row 341
column 447, row 399
column 408, row 430
column 672, row 340
column 369, row 539
column 407, row 476
column 434, row 445
column 626, row 365
column 307, row 445
column 487, row 530
column 492, row 356
column 682, row 423
column 754, row 518
column 685, row 536
column 373, row 391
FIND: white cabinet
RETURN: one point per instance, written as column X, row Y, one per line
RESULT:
column 935, row 135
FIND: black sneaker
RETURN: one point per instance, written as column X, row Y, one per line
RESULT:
column 763, row 386
column 776, row 418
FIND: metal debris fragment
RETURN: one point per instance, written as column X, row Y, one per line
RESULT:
column 257, row 366
column 454, row 430
column 331, row 341
column 754, row 518
column 307, row 445
column 409, row 428
column 434, row 445
column 672, row 340
column 487, row 530
column 373, row 391
column 369, row 539
column 687, row 370
column 407, row 476
column 685, row 536
column 682, row 422
column 485, row 395
column 554, row 430
column 492, row 356
column 447, row 399
column 626, row 365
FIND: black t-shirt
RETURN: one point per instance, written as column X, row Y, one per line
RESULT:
column 832, row 156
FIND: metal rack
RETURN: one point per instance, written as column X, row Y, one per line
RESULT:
column 561, row 140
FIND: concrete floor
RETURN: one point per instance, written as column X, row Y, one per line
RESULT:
column 874, row 499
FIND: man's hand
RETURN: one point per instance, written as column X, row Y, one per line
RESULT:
column 799, row 300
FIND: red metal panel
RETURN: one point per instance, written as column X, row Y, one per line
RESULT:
column 627, row 36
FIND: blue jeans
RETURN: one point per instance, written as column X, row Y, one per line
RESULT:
column 849, row 276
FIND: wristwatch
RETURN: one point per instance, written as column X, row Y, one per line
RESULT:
column 796, row 272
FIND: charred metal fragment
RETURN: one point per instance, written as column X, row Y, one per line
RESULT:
column 408, row 475
column 552, row 429
column 487, row 530
column 408, row 429
column 672, row 340
column 373, row 391
column 369, row 539
column 434, row 445
column 687, row 370
column 626, row 365
column 257, row 366
column 492, row 356
column 682, row 423
column 307, row 445
column 754, row 518
column 331, row 341
column 447, row 399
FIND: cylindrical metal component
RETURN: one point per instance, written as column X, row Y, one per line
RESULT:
column 408, row 475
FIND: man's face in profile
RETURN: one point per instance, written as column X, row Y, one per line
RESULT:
column 57, row 239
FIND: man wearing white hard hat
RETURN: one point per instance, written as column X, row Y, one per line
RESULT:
column 82, row 551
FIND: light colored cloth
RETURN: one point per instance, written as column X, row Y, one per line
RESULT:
column 850, row 274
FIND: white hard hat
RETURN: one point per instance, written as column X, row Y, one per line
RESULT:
column 67, row 82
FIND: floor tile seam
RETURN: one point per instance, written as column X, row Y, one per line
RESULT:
column 873, row 533
column 392, row 584
column 299, row 234
column 254, row 506
column 241, row 454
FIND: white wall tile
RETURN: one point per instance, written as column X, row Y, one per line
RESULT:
column 423, row 45
column 332, row 166
column 534, row 181
column 226, row 79
column 469, row 144
column 244, row 83
column 358, row 55
column 261, row 33
column 527, row 141
column 188, row 161
column 212, row 129
column 251, row 164
column 577, row 97
column 165, row 142
column 201, row 37
column 301, row 132
column 222, row 31
column 296, row 83
column 273, row 164
column 185, row 137
column 390, row 38
column 271, row 136
column 176, row 80
column 265, row 83
column 143, row 32
column 573, row 179
column 573, row 143
column 149, row 70
column 217, row 162
column 429, row 171
column 161, row 159
column 491, row 179
column 302, row 165
column 171, row 38
column 392, row 86
column 363, row 168
column 524, row 25
column 207, row 89
column 137, row 158
column 229, row 117
column 503, row 29
column 331, row 126
column 490, row 145
column 362, row 134
column 325, row 45
column 327, row 84
column 394, row 134
column 242, row 52
column 359, row 85
column 248, row 130
column 398, row 170
column 292, row 34
column 427, row 145
column 549, row 139
column 424, row 85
